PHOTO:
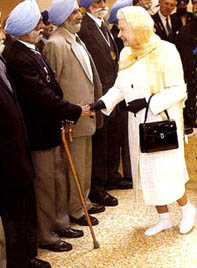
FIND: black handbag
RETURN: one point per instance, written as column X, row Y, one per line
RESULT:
column 158, row 136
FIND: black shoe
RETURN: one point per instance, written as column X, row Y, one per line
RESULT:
column 82, row 221
column 96, row 209
column 123, row 184
column 37, row 263
column 69, row 233
column 59, row 246
column 188, row 130
column 128, row 179
column 103, row 198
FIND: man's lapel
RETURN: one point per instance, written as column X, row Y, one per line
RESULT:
column 160, row 24
column 103, row 47
column 77, row 53
column 3, row 77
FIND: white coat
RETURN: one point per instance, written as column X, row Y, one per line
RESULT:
column 162, row 174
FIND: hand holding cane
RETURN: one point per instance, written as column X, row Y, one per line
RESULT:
column 66, row 128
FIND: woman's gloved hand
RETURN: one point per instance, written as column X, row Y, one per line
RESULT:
column 136, row 105
column 97, row 106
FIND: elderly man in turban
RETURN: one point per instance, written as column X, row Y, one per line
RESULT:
column 40, row 98
column 17, row 197
column 100, row 43
column 151, row 67
column 181, row 17
column 78, row 78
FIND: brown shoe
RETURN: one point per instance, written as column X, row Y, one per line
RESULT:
column 59, row 246
column 69, row 233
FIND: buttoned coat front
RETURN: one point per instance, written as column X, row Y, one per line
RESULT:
column 162, row 174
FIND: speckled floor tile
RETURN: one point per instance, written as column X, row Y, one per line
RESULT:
column 120, row 234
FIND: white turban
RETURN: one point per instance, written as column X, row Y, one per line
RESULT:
column 60, row 10
column 23, row 19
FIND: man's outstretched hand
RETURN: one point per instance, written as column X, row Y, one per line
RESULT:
column 86, row 111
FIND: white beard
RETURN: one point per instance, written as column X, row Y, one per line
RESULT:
column 35, row 36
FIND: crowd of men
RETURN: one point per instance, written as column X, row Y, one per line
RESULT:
column 53, row 66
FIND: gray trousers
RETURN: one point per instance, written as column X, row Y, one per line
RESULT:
column 51, row 194
column 2, row 247
column 81, row 152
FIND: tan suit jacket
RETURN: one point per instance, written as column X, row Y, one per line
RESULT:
column 73, row 77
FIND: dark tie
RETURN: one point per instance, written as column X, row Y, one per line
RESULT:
column 169, row 29
column 104, row 30
column 78, row 39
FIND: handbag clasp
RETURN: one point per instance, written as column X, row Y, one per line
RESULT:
column 162, row 136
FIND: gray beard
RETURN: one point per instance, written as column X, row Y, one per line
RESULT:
column 72, row 28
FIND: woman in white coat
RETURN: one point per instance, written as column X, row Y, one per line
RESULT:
column 149, row 66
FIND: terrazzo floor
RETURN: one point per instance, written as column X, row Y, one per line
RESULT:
column 120, row 234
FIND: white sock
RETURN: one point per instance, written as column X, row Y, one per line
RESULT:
column 188, row 218
column 164, row 223
column 186, row 206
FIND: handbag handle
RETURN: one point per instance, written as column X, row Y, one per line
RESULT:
column 147, row 107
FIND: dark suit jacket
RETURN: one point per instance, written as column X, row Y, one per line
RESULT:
column 186, row 43
column 100, row 51
column 15, row 160
column 40, row 97
column 177, row 22
column 160, row 29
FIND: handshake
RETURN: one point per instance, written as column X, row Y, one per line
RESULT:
column 90, row 109
column 133, row 106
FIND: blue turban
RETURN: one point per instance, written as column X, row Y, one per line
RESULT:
column 45, row 16
column 60, row 10
column 23, row 19
column 118, row 4
column 179, row 1
column 86, row 3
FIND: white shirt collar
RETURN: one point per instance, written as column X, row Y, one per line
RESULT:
column 97, row 20
column 31, row 46
column 163, row 19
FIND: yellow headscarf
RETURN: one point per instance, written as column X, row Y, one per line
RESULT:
column 142, row 26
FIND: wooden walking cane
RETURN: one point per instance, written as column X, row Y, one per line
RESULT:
column 66, row 128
